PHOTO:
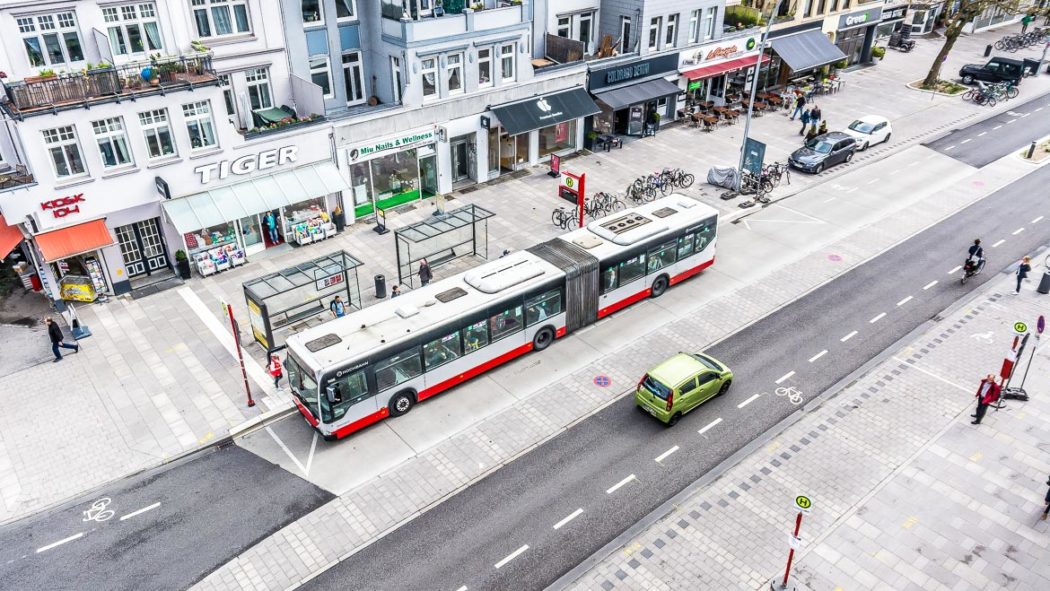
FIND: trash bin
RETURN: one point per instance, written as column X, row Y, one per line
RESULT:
column 1044, row 283
column 380, row 287
column 1031, row 66
column 987, row 50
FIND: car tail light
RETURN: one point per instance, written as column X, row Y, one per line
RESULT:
column 641, row 381
column 670, row 400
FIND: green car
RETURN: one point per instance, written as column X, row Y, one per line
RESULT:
column 680, row 384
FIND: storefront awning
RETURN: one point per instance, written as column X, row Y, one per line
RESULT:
column 10, row 236
column 62, row 244
column 545, row 111
column 808, row 50
column 637, row 93
column 265, row 193
column 721, row 68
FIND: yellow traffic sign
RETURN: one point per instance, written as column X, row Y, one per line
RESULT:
column 803, row 502
column 1020, row 327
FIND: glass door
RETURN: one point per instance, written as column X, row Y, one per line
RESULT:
column 428, row 175
column 636, row 120
column 521, row 155
column 506, row 152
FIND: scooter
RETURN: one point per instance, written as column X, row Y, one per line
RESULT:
column 970, row 269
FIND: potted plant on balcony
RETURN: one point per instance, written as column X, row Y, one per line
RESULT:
column 45, row 74
column 182, row 264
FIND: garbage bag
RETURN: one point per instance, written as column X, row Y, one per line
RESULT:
column 722, row 176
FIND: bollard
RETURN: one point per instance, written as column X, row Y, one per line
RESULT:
column 1031, row 151
column 1044, row 283
column 987, row 50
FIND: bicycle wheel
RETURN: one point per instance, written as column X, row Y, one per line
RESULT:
column 650, row 193
column 556, row 217
column 990, row 101
column 687, row 180
column 617, row 205
column 1012, row 92
column 999, row 44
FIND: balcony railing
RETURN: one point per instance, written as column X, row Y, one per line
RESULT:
column 48, row 94
column 410, row 25
column 14, row 178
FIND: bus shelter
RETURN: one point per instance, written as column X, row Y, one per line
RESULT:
column 439, row 239
column 299, row 296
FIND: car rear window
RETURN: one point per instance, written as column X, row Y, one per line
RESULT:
column 658, row 389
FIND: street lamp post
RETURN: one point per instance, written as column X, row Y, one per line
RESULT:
column 754, row 90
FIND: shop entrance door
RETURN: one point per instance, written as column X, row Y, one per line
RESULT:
column 635, row 120
column 521, row 154
column 428, row 175
column 142, row 247
column 460, row 160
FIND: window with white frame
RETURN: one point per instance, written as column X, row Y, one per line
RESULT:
column 345, row 10
column 227, row 95
column 577, row 26
column 506, row 53
column 112, row 142
column 51, row 39
column 565, row 26
column 694, row 26
column 485, row 67
column 259, row 88
column 395, row 77
column 133, row 28
column 454, row 72
column 654, row 32
column 585, row 26
column 709, row 22
column 353, row 78
column 625, row 34
column 321, row 74
column 220, row 18
column 672, row 31
column 65, row 151
column 428, row 66
column 157, row 132
column 199, row 124
column 313, row 12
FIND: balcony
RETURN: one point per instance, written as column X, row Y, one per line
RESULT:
column 412, row 25
column 15, row 177
column 52, row 93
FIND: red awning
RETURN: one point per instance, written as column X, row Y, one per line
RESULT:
column 723, row 67
column 81, row 238
column 10, row 236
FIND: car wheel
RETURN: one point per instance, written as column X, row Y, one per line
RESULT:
column 967, row 79
column 887, row 140
column 863, row 147
column 543, row 339
column 401, row 403
column 671, row 422
column 724, row 388
column 659, row 286
column 849, row 156
column 819, row 169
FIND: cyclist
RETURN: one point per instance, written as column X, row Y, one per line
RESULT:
column 975, row 256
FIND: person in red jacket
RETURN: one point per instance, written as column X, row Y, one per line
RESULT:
column 276, row 371
column 987, row 393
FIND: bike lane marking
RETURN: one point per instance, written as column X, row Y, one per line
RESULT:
column 929, row 285
column 848, row 337
column 570, row 517
column 663, row 456
column 512, row 556
column 617, row 486
column 904, row 301
column 785, row 376
column 140, row 511
column 818, row 355
column 748, row 401
column 60, row 542
column 1017, row 231
column 996, row 245
column 877, row 318
column 710, row 426
column 955, row 270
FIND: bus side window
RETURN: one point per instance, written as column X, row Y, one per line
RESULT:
column 632, row 269
column 440, row 351
column 661, row 256
column 704, row 236
column 398, row 369
column 505, row 323
column 541, row 307
column 685, row 246
column 475, row 336
column 348, row 391
column 609, row 279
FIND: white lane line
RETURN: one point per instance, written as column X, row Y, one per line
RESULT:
column 877, row 318
column 785, row 376
column 663, row 456
column 710, row 426
column 904, row 301
column 929, row 285
column 1017, row 231
column 818, row 355
column 512, row 556
column 571, row 516
column 873, row 181
column 996, row 127
column 140, row 511
column 998, row 243
column 848, row 337
column 914, row 164
column 748, row 401
column 463, row 588
column 1038, row 109
column 1036, row 220
column 1010, row 121
column 969, row 139
column 949, row 148
column 982, row 133
column 59, row 543
column 616, row 486
column 955, row 270
column 933, row 375
column 288, row 452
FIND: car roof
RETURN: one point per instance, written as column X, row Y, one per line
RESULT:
column 835, row 136
column 873, row 119
column 676, row 369
column 1005, row 60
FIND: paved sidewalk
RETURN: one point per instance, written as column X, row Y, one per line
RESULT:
column 907, row 493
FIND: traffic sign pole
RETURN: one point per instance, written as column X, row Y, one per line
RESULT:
column 791, row 551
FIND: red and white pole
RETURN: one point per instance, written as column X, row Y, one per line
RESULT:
column 240, row 356
column 581, row 195
column 791, row 551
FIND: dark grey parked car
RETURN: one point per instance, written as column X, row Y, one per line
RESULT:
column 823, row 151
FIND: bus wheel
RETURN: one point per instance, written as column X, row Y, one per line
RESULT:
column 659, row 286
column 543, row 339
column 401, row 404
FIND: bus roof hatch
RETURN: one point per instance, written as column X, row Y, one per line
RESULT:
column 500, row 278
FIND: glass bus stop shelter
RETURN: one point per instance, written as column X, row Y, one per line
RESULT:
column 296, row 298
column 440, row 239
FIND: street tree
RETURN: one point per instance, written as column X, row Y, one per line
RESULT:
column 967, row 11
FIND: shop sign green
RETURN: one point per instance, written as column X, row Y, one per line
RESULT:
column 396, row 143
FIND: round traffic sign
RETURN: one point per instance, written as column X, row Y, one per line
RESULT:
column 1040, row 324
column 803, row 502
column 602, row 381
column 1020, row 327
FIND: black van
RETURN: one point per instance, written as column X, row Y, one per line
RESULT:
column 998, row 69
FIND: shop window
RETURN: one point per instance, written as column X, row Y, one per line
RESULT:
column 671, row 34
column 394, row 177
column 210, row 238
column 694, row 26
column 112, row 142
column 541, row 307
column 485, row 67
column 321, row 74
column 441, row 351
column 250, row 231
column 199, row 125
column 157, row 132
column 361, row 185
column 133, row 28
column 609, row 276
column 505, row 323
column 65, row 151
column 51, row 39
column 654, row 32
column 353, row 78
column 313, row 12
column 345, row 10
column 398, row 369
column 662, row 256
column 429, row 73
column 304, row 219
column 347, row 391
column 507, row 62
column 454, row 72
column 475, row 336
column 220, row 18
column 259, row 88
column 632, row 269
column 557, row 138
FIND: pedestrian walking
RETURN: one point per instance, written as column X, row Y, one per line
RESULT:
column 1025, row 21
column 815, row 114
column 987, row 393
column 271, row 226
column 1022, row 272
column 800, row 104
column 276, row 371
column 805, row 121
column 54, row 332
column 1046, row 510
column 337, row 307
column 425, row 275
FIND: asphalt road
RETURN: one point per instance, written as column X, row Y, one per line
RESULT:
column 164, row 529
column 985, row 142
column 500, row 534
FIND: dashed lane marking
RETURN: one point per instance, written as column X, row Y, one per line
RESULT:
column 140, row 511
column 785, row 376
column 661, row 457
column 929, row 285
column 818, row 355
column 710, row 426
column 996, row 127
column 463, row 588
column 569, row 518
column 877, row 318
column 982, row 133
column 1010, row 121
column 955, row 270
column 59, row 543
column 996, row 245
column 949, row 148
column 904, row 301
column 1036, row 220
column 969, row 139
column 616, row 486
column 512, row 556
column 848, row 337
column 1017, row 231
column 1037, row 109
column 748, row 401
column 873, row 181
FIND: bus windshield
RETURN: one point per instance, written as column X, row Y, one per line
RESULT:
column 303, row 384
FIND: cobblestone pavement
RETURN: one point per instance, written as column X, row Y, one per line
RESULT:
column 907, row 494
column 158, row 378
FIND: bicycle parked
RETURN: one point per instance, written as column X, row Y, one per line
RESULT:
column 678, row 177
column 564, row 218
column 1013, row 43
column 990, row 94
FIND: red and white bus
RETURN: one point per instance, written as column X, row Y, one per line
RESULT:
column 380, row 361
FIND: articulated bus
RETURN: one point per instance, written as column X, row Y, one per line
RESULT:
column 380, row 361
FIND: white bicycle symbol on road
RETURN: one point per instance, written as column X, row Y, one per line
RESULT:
column 98, row 511
column 794, row 394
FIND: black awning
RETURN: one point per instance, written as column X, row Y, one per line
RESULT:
column 637, row 93
column 808, row 50
column 545, row 111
